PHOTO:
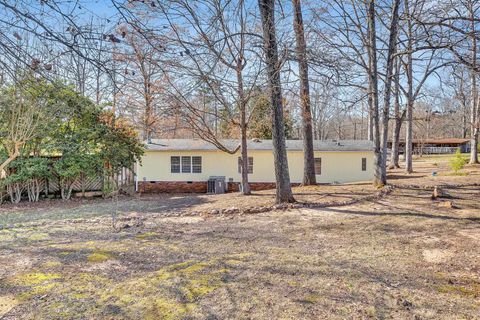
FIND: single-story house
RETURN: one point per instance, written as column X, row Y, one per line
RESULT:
column 436, row 145
column 185, row 165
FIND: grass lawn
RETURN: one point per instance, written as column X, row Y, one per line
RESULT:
column 403, row 256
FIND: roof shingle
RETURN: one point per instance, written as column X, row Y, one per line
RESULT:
column 293, row 145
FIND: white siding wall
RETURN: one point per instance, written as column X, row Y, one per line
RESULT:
column 336, row 166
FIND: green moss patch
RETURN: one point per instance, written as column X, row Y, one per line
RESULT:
column 6, row 235
column 310, row 299
column 35, row 283
column 39, row 236
column 51, row 264
column 468, row 291
column 147, row 235
column 169, row 293
column 35, row 278
column 99, row 256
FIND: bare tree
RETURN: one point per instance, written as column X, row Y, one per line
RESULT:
column 308, row 155
column 373, row 92
column 392, row 45
column 399, row 117
column 282, row 176
column 140, row 63
column 457, row 22
column 213, row 67
column 474, row 96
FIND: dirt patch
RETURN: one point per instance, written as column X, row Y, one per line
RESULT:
column 7, row 303
column 437, row 255
column 473, row 234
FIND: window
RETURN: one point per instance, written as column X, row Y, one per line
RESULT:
column 186, row 164
column 250, row 164
column 175, row 164
column 197, row 164
column 364, row 164
column 318, row 165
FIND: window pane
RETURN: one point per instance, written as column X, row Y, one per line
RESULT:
column 364, row 164
column 175, row 164
column 318, row 165
column 250, row 165
column 186, row 164
column 197, row 164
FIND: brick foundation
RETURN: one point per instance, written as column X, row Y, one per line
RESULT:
column 254, row 186
column 172, row 187
column 196, row 186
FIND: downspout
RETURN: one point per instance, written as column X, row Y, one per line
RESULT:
column 135, row 176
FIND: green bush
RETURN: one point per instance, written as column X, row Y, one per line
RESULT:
column 458, row 162
column 27, row 174
column 71, row 167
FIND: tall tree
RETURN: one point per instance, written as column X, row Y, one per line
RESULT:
column 399, row 117
column 282, row 175
column 218, row 57
column 409, row 94
column 474, row 97
column 141, row 62
column 373, row 92
column 392, row 45
column 308, row 155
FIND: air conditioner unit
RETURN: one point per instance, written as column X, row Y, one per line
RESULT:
column 216, row 185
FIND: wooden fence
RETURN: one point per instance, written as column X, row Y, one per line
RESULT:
column 124, row 179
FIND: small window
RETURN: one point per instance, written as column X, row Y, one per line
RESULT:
column 197, row 164
column 175, row 164
column 186, row 164
column 364, row 164
column 318, row 165
column 250, row 165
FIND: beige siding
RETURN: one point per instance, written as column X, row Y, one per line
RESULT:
column 336, row 166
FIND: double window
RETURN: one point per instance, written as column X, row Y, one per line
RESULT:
column 250, row 165
column 318, row 165
column 185, row 164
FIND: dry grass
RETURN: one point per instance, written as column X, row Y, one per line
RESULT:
column 402, row 257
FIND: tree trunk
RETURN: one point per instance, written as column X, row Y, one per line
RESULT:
column 14, row 190
column 369, row 118
column 282, row 176
column 409, row 72
column 473, row 121
column 397, row 128
column 66, row 188
column 243, row 128
column 373, row 86
column 473, row 94
column 308, row 153
column 11, row 157
column 84, row 182
column 409, row 137
column 392, row 44
column 394, row 161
